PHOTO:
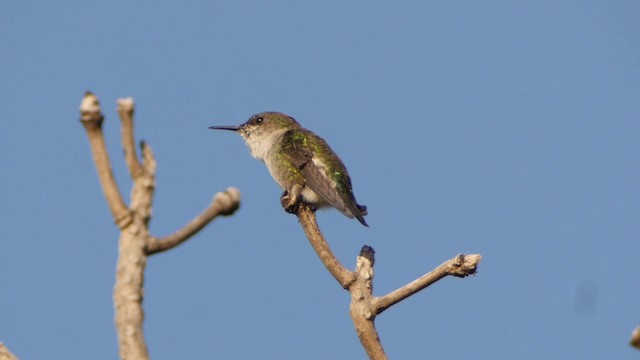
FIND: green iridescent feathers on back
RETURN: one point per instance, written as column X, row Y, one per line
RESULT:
column 328, row 178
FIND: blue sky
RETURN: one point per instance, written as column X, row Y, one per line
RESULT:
column 508, row 129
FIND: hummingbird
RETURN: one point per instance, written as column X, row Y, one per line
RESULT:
column 301, row 162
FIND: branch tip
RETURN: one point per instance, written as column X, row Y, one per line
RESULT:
column 90, row 103
column 223, row 203
column 90, row 111
column 368, row 253
column 126, row 105
column 228, row 200
column 147, row 155
column 464, row 265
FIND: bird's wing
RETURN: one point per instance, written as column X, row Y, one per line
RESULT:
column 324, row 188
column 314, row 174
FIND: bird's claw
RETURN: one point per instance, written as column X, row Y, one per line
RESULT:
column 291, row 204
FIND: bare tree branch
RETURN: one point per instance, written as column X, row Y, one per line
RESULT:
column 91, row 118
column 223, row 203
column 460, row 266
column 364, row 306
column 126, row 109
column 144, row 185
column 5, row 354
column 360, row 309
column 310, row 227
column 128, row 292
column 135, row 242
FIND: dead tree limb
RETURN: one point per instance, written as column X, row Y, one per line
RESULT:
column 223, row 203
column 459, row 266
column 136, row 242
column 92, row 118
column 364, row 306
column 5, row 354
column 320, row 245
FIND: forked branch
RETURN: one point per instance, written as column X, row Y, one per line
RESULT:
column 92, row 118
column 136, row 243
column 364, row 306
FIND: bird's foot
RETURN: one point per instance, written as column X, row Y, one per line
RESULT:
column 290, row 203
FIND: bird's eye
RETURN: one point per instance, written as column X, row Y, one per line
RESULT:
column 259, row 119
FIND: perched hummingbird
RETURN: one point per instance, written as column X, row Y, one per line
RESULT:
column 301, row 162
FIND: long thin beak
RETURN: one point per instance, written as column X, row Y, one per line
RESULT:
column 232, row 128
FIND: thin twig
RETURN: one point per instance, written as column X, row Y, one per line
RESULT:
column 91, row 118
column 459, row 266
column 308, row 221
column 223, row 203
column 126, row 109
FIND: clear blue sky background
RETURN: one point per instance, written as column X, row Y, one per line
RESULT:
column 509, row 129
